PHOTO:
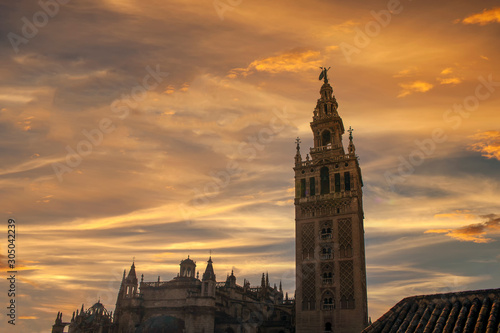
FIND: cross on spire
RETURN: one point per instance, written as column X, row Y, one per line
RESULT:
column 350, row 130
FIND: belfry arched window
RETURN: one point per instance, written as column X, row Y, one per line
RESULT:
column 326, row 253
column 326, row 137
column 325, row 180
column 328, row 302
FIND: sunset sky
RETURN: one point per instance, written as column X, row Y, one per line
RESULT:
column 192, row 109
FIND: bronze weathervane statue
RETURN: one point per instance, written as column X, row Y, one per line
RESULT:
column 323, row 74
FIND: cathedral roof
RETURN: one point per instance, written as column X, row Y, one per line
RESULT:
column 469, row 311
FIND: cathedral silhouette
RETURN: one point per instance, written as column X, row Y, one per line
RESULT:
column 331, row 294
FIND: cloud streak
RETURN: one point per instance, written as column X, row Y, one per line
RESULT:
column 487, row 16
column 413, row 87
column 477, row 232
column 487, row 143
column 292, row 61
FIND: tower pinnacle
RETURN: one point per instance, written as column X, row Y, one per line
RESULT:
column 351, row 148
column 324, row 74
column 298, row 157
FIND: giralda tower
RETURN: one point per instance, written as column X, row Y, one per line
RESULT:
column 330, row 250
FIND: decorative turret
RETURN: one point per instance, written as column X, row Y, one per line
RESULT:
column 58, row 326
column 231, row 280
column 188, row 268
column 327, row 126
column 264, row 283
column 132, row 277
column 208, row 282
column 298, row 157
column 209, row 271
column 95, row 319
column 351, row 149
column 130, row 283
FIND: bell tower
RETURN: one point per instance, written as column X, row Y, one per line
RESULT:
column 330, row 250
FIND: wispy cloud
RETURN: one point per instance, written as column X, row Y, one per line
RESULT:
column 407, row 72
column 447, row 77
column 487, row 143
column 476, row 233
column 292, row 61
column 449, row 80
column 345, row 27
column 415, row 86
column 458, row 214
column 487, row 16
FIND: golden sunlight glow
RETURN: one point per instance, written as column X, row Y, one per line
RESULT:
column 416, row 86
column 293, row 61
column 485, row 17
column 487, row 143
column 473, row 232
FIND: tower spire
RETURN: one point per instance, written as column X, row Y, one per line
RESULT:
column 298, row 157
column 351, row 148
column 209, row 271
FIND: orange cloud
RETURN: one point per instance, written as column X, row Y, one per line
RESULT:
column 485, row 17
column 449, row 80
column 447, row 71
column 416, row 86
column 345, row 27
column 293, row 61
column 406, row 72
column 457, row 214
column 488, row 144
column 473, row 232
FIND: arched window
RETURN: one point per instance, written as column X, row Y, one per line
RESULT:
column 326, row 253
column 326, row 137
column 326, row 233
column 325, row 180
column 312, row 186
column 328, row 303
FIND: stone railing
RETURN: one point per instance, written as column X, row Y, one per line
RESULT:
column 334, row 195
column 153, row 284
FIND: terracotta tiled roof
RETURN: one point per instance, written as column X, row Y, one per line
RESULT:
column 475, row 311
